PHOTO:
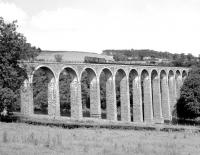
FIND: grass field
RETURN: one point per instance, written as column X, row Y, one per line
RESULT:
column 24, row 139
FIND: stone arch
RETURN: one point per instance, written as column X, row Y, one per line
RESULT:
column 172, row 90
column 73, row 70
column 146, row 96
column 164, row 95
column 156, row 96
column 88, row 69
column 178, row 79
column 122, row 95
column 108, row 99
column 43, row 66
column 90, row 93
column 68, row 84
column 184, row 75
column 44, row 91
column 135, row 96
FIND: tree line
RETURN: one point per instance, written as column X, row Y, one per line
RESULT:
column 176, row 60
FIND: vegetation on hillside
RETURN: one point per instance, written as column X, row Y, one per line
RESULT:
column 177, row 60
column 136, row 54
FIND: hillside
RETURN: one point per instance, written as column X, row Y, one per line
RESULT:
column 72, row 56
column 152, row 56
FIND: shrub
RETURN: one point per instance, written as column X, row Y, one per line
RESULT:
column 58, row 57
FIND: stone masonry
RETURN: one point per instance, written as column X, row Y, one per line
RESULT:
column 155, row 90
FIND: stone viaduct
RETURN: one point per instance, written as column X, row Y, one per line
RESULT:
column 155, row 90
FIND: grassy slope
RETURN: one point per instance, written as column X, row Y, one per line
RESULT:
column 23, row 139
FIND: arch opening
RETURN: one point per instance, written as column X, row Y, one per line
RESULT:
column 146, row 96
column 43, row 91
column 90, row 94
column 178, row 79
column 156, row 99
column 171, row 75
column 184, row 75
column 67, row 90
column 121, row 84
column 105, row 92
column 164, row 95
column 172, row 91
column 135, row 96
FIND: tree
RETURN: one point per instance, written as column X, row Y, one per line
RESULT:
column 177, row 63
column 13, row 47
column 182, row 56
column 188, row 106
column 58, row 57
column 199, row 58
column 190, row 57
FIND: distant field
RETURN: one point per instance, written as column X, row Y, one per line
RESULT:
column 23, row 139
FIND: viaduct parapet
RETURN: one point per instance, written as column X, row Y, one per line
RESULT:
column 155, row 90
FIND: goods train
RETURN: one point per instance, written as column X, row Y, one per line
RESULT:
column 88, row 59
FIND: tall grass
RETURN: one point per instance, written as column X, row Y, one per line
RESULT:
column 33, row 139
column 98, row 141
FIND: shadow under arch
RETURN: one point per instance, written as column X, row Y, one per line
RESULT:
column 184, row 75
column 164, row 89
column 90, row 94
column 172, row 90
column 105, row 76
column 156, row 96
column 122, row 95
column 67, row 90
column 43, row 91
column 146, row 96
column 178, row 83
column 135, row 96
column 108, row 104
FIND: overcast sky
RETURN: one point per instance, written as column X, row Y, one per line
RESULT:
column 95, row 25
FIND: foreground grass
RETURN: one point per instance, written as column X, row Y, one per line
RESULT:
column 23, row 139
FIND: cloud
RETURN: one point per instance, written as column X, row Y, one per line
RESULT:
column 171, row 26
column 10, row 12
column 166, row 29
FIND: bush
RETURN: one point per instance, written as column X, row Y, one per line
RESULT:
column 7, row 116
column 58, row 57
column 6, row 98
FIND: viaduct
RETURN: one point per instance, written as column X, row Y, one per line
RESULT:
column 155, row 90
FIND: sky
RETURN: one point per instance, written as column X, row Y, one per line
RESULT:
column 96, row 25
